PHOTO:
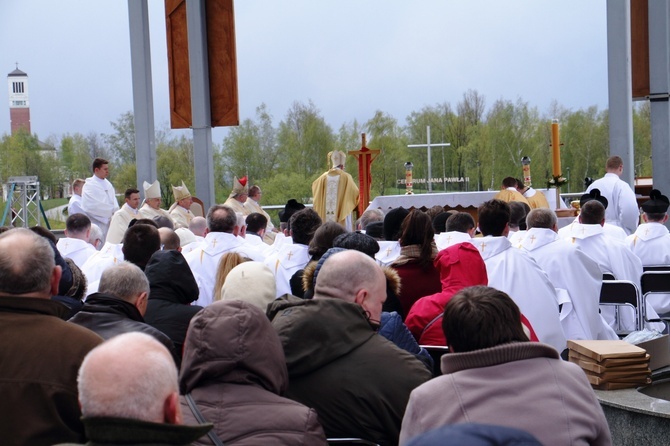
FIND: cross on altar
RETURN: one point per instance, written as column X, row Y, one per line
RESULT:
column 365, row 158
column 428, row 145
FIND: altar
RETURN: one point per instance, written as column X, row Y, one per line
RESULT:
column 459, row 201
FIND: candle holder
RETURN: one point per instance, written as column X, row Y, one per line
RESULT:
column 408, row 178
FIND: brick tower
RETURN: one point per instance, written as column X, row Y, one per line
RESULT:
column 19, row 106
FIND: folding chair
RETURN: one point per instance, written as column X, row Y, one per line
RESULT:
column 656, row 282
column 656, row 268
column 350, row 441
column 623, row 293
column 436, row 353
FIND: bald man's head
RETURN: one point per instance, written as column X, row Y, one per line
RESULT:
column 198, row 226
column 130, row 376
column 354, row 277
column 27, row 265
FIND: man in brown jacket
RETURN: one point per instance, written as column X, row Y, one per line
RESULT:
column 39, row 352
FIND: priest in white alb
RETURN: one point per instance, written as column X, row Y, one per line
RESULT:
column 293, row 256
column 335, row 193
column 651, row 242
column 613, row 257
column 221, row 238
column 75, row 245
column 123, row 217
column 609, row 229
column 98, row 199
column 571, row 271
column 514, row 271
column 460, row 227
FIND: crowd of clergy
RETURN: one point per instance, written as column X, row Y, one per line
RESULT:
column 308, row 331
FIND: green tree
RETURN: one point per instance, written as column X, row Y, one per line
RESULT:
column 122, row 141
column 304, row 140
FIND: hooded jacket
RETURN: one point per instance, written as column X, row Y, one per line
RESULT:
column 172, row 290
column 109, row 316
column 234, row 368
column 460, row 266
column 358, row 382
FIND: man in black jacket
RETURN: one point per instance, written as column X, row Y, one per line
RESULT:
column 173, row 289
column 119, row 305
column 358, row 382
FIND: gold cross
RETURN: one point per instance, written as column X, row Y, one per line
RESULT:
column 388, row 251
column 289, row 255
column 532, row 239
column 646, row 231
column 448, row 239
column 214, row 242
column 483, row 245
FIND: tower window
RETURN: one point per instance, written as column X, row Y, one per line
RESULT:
column 17, row 87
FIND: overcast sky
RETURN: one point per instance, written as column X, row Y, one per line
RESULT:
column 350, row 57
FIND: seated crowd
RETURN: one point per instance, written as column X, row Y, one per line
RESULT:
column 221, row 334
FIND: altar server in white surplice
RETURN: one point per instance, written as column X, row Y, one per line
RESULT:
column 651, row 242
column 75, row 244
column 571, row 271
column 294, row 256
column 74, row 205
column 98, row 199
column 152, row 201
column 123, row 217
column 623, row 210
column 222, row 231
column 609, row 229
column 515, row 272
column 460, row 227
column 612, row 256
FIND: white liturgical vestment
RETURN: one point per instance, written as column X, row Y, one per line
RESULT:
column 569, row 269
column 651, row 243
column 252, row 206
column 109, row 255
column 622, row 209
column 388, row 252
column 74, row 205
column 99, row 202
column 609, row 229
column 613, row 256
column 77, row 250
column 147, row 211
column 204, row 261
column 120, row 222
column 287, row 262
column 515, row 272
column 443, row 240
column 180, row 216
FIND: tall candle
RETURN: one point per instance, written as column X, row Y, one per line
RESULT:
column 555, row 149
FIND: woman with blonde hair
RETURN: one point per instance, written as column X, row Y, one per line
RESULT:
column 227, row 262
